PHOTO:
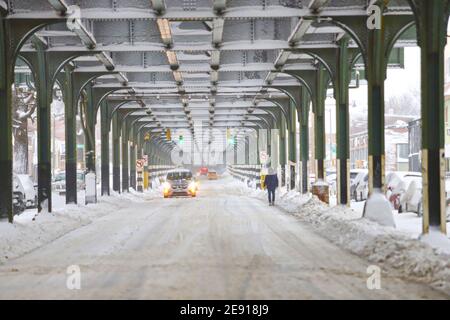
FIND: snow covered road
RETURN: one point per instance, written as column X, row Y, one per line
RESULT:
column 221, row 245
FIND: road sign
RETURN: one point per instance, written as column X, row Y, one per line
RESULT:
column 145, row 157
column 140, row 164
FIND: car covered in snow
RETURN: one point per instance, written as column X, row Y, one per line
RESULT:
column 395, row 186
column 180, row 182
column 411, row 198
column 25, row 191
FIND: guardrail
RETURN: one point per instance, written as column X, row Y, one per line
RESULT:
column 247, row 173
column 158, row 171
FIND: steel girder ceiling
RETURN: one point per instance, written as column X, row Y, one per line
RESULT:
column 195, row 60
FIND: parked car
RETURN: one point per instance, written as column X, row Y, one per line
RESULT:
column 212, row 175
column 24, row 185
column 411, row 198
column 179, row 182
column 395, row 186
column 19, row 204
column 59, row 182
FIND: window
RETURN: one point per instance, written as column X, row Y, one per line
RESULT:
column 402, row 152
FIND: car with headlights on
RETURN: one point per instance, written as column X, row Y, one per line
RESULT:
column 180, row 182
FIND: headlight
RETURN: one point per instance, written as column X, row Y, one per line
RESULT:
column 193, row 186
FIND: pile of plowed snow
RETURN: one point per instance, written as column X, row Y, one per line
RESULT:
column 390, row 249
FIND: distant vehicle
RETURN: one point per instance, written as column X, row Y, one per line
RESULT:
column 203, row 171
column 180, row 182
column 23, row 184
column 59, row 182
column 212, row 175
column 357, row 177
column 411, row 198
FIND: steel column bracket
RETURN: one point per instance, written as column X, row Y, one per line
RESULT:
column 284, row 105
column 293, row 94
column 101, row 94
column 356, row 27
column 82, row 79
column 57, row 60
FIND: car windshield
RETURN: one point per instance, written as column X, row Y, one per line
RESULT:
column 179, row 175
column 60, row 177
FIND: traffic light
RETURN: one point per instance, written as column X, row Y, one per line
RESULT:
column 168, row 135
column 181, row 140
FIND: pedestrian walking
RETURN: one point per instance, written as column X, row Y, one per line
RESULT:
column 271, row 183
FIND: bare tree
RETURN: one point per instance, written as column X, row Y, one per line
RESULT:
column 24, row 109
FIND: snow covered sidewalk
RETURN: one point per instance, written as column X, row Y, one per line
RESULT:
column 26, row 235
column 388, row 248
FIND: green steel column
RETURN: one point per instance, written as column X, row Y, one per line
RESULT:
column 71, row 136
column 319, row 122
column 282, row 150
column 105, row 148
column 125, row 157
column 433, row 18
column 6, row 153
column 90, row 131
column 304, row 139
column 116, row 152
column 292, row 144
column 133, row 165
column 44, row 98
column 376, row 75
column 342, row 118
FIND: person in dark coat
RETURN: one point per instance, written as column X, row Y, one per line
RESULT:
column 271, row 183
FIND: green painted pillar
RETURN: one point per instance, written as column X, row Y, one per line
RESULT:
column 292, row 144
column 71, row 136
column 125, row 157
column 105, row 121
column 282, row 150
column 304, row 140
column 342, row 119
column 376, row 75
column 90, row 131
column 133, row 165
column 6, row 152
column 432, row 20
column 319, row 122
column 44, row 98
column 116, row 152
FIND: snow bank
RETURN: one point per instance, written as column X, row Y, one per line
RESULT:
column 394, row 251
column 26, row 235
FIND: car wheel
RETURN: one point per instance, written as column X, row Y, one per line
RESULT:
column 355, row 196
column 400, row 209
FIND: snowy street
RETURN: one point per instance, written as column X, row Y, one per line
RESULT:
column 221, row 245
